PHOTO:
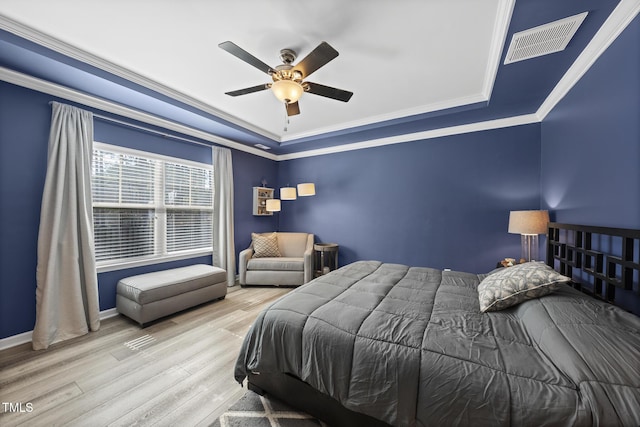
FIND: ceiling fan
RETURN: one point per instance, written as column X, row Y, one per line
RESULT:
column 288, row 80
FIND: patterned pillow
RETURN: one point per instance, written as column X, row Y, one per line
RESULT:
column 265, row 245
column 513, row 285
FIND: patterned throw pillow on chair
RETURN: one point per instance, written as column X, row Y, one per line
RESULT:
column 265, row 245
column 513, row 285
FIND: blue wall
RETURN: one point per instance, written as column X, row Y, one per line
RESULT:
column 591, row 142
column 24, row 129
column 441, row 203
column 23, row 158
column 591, row 146
column 248, row 172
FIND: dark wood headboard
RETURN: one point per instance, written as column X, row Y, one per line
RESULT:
column 603, row 262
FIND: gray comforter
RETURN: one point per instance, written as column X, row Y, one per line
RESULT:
column 409, row 346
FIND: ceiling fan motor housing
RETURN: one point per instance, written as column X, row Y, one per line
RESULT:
column 287, row 72
column 288, row 56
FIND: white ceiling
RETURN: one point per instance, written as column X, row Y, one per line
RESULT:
column 399, row 58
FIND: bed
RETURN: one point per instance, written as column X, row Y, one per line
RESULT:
column 387, row 344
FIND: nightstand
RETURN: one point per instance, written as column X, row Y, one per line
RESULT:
column 326, row 257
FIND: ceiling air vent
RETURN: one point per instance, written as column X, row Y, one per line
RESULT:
column 544, row 39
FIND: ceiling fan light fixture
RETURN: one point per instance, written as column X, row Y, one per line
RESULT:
column 287, row 91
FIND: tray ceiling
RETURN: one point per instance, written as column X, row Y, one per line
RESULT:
column 412, row 65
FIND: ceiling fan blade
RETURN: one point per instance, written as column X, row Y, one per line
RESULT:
column 240, row 53
column 293, row 109
column 329, row 92
column 249, row 90
column 316, row 59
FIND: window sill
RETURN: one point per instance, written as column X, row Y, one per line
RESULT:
column 123, row 265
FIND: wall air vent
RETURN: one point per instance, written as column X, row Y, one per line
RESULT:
column 544, row 39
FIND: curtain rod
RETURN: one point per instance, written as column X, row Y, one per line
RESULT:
column 146, row 129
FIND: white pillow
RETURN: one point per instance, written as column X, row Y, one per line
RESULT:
column 513, row 285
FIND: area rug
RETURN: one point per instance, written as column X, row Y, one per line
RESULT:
column 253, row 410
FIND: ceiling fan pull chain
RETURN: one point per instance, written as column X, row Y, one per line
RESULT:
column 286, row 118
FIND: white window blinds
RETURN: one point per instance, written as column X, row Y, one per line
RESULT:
column 188, row 197
column 148, row 206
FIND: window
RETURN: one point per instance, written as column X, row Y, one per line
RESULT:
column 149, row 207
column 188, row 198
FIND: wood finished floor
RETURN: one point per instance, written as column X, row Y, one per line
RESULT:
column 181, row 375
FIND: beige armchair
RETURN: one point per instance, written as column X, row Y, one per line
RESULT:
column 293, row 267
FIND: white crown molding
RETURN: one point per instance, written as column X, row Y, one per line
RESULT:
column 418, row 136
column 53, row 89
column 501, row 30
column 60, row 91
column 619, row 19
column 424, row 109
column 71, row 51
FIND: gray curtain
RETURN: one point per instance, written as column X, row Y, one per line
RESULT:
column 224, row 251
column 67, row 284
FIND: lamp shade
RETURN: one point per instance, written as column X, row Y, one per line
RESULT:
column 287, row 91
column 273, row 205
column 528, row 222
column 288, row 193
column 307, row 189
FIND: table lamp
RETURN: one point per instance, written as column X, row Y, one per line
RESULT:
column 529, row 224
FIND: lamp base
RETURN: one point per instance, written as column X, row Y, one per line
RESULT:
column 529, row 247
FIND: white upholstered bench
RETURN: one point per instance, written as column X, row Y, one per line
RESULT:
column 150, row 296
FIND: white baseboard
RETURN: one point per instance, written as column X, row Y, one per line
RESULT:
column 15, row 340
column 112, row 312
column 26, row 337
